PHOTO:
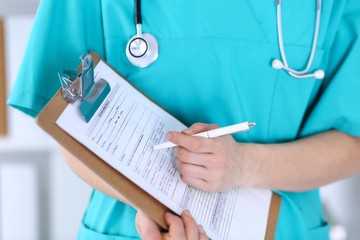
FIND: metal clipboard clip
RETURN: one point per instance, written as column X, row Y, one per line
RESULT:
column 82, row 86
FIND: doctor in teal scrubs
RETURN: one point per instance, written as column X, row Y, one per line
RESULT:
column 215, row 66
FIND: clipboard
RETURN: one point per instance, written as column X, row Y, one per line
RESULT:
column 121, row 184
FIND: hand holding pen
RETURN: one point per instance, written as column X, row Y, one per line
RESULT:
column 216, row 164
column 218, row 132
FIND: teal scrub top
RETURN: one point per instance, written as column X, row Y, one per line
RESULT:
column 214, row 66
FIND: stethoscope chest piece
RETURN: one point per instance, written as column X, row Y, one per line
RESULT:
column 142, row 49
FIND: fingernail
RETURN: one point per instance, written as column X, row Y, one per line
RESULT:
column 167, row 215
column 138, row 217
column 188, row 131
column 168, row 136
column 138, row 229
column 187, row 212
column 201, row 229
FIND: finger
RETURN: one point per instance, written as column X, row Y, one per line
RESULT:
column 186, row 156
column 176, row 226
column 202, row 234
column 197, row 183
column 191, row 228
column 146, row 227
column 192, row 143
column 191, row 170
column 199, row 127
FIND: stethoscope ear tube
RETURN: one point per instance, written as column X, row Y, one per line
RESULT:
column 282, row 64
column 279, row 65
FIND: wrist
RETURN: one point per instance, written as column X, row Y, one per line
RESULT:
column 251, row 164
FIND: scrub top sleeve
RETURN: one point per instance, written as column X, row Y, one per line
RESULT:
column 61, row 32
column 338, row 105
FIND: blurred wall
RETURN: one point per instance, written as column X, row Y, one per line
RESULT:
column 40, row 197
column 341, row 202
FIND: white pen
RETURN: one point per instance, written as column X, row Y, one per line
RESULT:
column 218, row 132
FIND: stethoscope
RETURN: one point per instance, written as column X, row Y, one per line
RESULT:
column 143, row 48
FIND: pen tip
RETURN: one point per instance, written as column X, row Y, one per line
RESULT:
column 252, row 124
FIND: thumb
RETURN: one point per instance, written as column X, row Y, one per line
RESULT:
column 146, row 227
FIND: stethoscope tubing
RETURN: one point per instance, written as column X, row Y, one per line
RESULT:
column 138, row 15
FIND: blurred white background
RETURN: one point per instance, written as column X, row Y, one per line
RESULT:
column 40, row 198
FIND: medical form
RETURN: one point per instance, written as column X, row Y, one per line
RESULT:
column 122, row 133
